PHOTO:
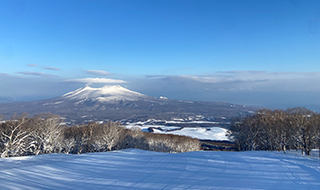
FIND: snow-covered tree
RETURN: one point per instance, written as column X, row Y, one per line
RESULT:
column 47, row 129
column 111, row 135
column 16, row 139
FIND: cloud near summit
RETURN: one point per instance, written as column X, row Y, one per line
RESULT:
column 98, row 81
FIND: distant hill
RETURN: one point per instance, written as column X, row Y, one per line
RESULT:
column 115, row 103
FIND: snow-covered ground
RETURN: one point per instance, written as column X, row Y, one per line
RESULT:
column 144, row 170
column 212, row 133
column 203, row 133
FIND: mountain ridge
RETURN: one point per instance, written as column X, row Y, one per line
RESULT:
column 115, row 103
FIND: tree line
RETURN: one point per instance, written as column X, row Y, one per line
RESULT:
column 45, row 133
column 296, row 128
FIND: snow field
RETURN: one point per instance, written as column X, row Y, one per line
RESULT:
column 142, row 170
column 202, row 133
column 212, row 133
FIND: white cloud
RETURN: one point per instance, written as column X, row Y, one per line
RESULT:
column 32, row 65
column 98, row 72
column 98, row 81
column 252, row 80
column 36, row 74
column 4, row 74
column 52, row 68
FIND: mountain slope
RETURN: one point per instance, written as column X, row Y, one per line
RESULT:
column 117, row 103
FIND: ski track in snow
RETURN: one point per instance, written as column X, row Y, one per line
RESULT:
column 142, row 170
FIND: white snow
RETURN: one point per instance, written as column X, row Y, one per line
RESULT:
column 163, row 97
column 144, row 127
column 212, row 133
column 144, row 170
column 202, row 133
column 190, row 122
column 106, row 93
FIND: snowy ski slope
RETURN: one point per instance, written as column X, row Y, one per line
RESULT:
column 137, row 169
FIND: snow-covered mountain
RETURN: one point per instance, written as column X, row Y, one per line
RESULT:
column 116, row 103
column 105, row 94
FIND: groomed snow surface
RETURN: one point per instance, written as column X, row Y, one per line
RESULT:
column 137, row 169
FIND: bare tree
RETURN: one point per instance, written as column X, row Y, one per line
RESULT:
column 277, row 130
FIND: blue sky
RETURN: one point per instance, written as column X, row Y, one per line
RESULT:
column 263, row 53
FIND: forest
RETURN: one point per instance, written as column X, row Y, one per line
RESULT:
column 46, row 133
column 271, row 130
column 279, row 130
